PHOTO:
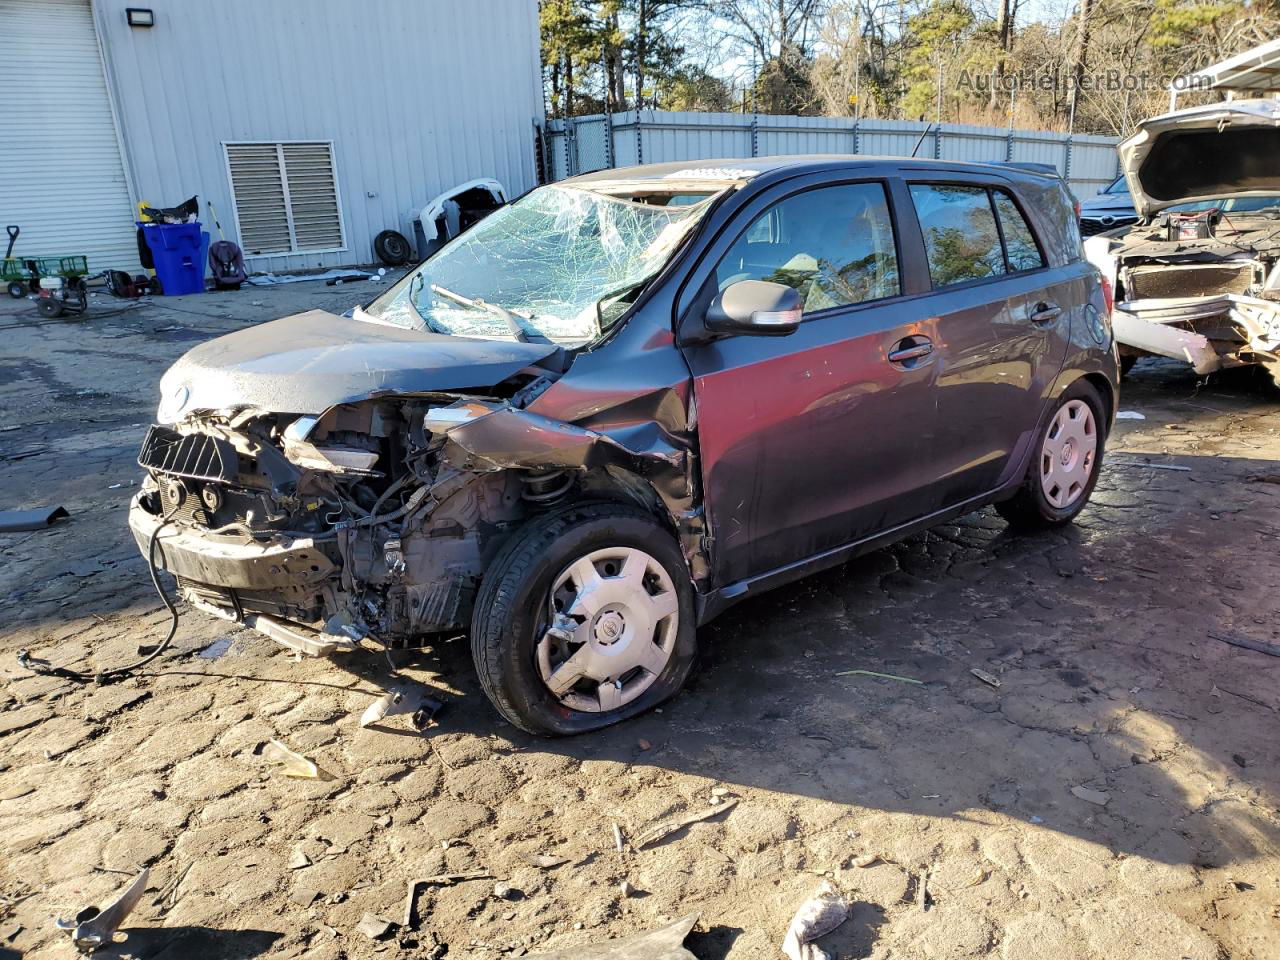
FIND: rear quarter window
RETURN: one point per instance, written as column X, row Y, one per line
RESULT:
column 1021, row 249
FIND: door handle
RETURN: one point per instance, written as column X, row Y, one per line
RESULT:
column 911, row 352
column 1045, row 314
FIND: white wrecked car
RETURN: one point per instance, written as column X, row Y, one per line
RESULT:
column 1196, row 278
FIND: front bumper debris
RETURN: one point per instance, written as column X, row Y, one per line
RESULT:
column 229, row 562
column 1210, row 332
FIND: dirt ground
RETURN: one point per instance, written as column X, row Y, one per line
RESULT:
column 1102, row 636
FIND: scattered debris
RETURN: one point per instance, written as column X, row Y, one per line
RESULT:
column 439, row 880
column 1096, row 797
column 299, row 859
column 626, row 889
column 1144, row 463
column 664, row 829
column 505, row 891
column 644, row 744
column 1130, row 415
column 817, row 916
column 545, row 861
column 664, row 944
column 403, row 698
column 865, row 861
column 293, row 764
column 304, row 896
column 978, row 878
column 93, row 928
column 1270, row 649
column 1263, row 478
column 882, row 676
column 922, row 890
column 374, row 927
column 988, row 678
column 1240, row 760
column 16, row 521
column 617, row 838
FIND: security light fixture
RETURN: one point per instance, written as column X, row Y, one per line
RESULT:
column 140, row 17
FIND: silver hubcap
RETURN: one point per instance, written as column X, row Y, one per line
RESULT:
column 1067, row 457
column 614, row 618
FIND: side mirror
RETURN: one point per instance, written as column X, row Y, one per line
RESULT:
column 755, row 308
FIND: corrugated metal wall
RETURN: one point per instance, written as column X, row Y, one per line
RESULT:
column 416, row 97
column 576, row 145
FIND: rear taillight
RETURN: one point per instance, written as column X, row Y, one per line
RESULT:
column 1108, row 295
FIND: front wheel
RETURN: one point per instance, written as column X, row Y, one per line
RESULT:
column 1061, row 476
column 584, row 618
column 17, row 290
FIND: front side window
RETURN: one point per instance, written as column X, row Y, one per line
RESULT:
column 960, row 235
column 833, row 245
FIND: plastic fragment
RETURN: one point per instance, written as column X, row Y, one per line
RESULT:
column 1088, row 795
column 988, row 678
column 293, row 764
column 817, row 916
column 374, row 927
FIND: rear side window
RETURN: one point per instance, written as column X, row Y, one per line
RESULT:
column 960, row 234
column 834, row 245
column 1020, row 245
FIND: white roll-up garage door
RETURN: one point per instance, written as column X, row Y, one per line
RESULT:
column 61, row 176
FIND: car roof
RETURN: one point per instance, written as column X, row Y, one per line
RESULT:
column 741, row 169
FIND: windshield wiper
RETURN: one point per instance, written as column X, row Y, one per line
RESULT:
column 513, row 325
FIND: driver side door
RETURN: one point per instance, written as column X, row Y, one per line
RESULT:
column 810, row 441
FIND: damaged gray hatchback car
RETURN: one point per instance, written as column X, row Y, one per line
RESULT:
column 629, row 400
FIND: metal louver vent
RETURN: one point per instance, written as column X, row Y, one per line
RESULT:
column 286, row 197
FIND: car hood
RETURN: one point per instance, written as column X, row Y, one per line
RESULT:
column 1210, row 152
column 1107, row 204
column 309, row 362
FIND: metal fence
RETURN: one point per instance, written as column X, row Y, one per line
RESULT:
column 582, row 144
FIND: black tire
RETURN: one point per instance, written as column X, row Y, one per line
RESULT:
column 392, row 248
column 1029, row 509
column 49, row 307
column 17, row 289
column 511, row 611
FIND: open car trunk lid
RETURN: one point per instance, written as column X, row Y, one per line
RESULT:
column 1209, row 152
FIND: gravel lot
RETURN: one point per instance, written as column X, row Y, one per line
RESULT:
column 1102, row 636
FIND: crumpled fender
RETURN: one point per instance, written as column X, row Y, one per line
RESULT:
column 485, row 436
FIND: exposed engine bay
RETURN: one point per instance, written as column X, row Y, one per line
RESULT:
column 1201, row 287
column 1196, row 279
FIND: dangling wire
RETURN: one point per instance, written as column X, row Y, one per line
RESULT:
column 117, row 673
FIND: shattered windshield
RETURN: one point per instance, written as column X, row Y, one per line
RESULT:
column 546, row 266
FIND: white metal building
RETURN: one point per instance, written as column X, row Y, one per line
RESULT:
column 310, row 124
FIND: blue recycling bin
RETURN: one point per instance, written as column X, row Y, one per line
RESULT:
column 180, row 252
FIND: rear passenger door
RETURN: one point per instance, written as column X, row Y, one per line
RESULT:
column 999, row 329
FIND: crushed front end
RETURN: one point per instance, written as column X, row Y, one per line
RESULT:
column 323, row 531
column 1211, row 300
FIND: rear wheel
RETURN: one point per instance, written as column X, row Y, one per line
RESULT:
column 49, row 307
column 583, row 619
column 17, row 289
column 1061, row 476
